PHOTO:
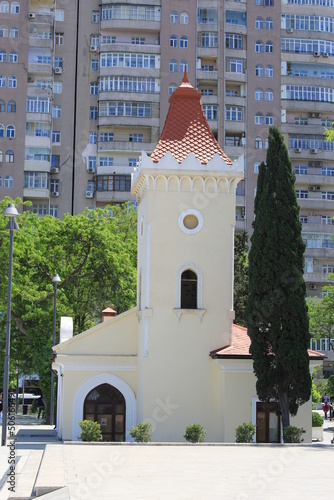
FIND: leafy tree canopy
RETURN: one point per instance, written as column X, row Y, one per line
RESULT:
column 240, row 276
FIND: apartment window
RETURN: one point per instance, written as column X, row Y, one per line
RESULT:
column 2, row 131
column 236, row 66
column 55, row 161
column 269, row 47
column 137, row 40
column 92, row 137
column 258, row 143
column 135, row 137
column 269, row 119
column 269, row 24
column 60, row 15
column 58, row 62
column 211, row 112
column 95, row 40
column 10, row 156
column 258, row 2
column 128, row 60
column 327, row 219
column 233, row 113
column 303, row 219
column 54, row 210
column 94, row 90
column 54, row 186
column 256, row 167
column 4, row 7
column 59, row 38
column 10, row 132
column 173, row 65
column 106, row 161
column 36, row 180
column 8, row 181
column 208, row 92
column 173, row 17
column 259, row 23
column 132, row 162
column 259, row 46
column 39, row 209
column 269, row 3
column 327, row 268
column 233, row 41
column 56, row 111
column 173, row 41
column 13, row 57
column 94, row 65
column 93, row 113
column 3, row 31
column 269, row 95
column 259, row 70
column 2, row 106
column 184, row 18
column 183, row 66
column 327, row 195
column 57, row 87
column 95, row 16
column 302, row 194
column 2, row 81
column 327, row 171
column 171, row 88
column 106, row 136
column 259, row 95
column 56, row 136
column 184, row 42
column 3, row 56
column 209, row 40
column 114, row 182
column 92, row 163
column 259, row 119
column 266, row 143
column 14, row 32
column 269, row 71
column 301, row 169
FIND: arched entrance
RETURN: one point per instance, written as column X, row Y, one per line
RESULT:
column 106, row 405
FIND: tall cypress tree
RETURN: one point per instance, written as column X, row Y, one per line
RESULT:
column 276, row 311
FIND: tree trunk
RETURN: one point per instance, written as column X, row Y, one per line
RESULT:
column 284, row 402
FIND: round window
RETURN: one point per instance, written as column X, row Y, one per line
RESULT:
column 191, row 221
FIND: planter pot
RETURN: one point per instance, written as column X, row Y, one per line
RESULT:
column 317, row 434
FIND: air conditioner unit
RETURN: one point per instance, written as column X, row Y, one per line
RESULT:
column 289, row 30
column 318, row 164
column 298, row 150
column 317, row 115
column 311, row 164
column 89, row 194
column 30, row 79
column 55, row 193
column 58, row 71
column 325, row 54
column 31, row 15
column 313, row 151
column 313, row 287
column 311, row 188
column 316, row 54
column 91, row 170
column 54, row 170
column 93, row 48
column 311, row 115
column 318, row 188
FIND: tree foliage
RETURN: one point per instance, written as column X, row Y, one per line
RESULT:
column 94, row 254
column 276, row 313
column 240, row 276
column 321, row 315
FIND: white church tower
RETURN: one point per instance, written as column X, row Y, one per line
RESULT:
column 186, row 217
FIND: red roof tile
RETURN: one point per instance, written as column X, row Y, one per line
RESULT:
column 241, row 344
column 186, row 129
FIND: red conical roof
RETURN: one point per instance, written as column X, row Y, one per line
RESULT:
column 186, row 129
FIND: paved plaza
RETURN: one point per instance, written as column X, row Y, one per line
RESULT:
column 168, row 471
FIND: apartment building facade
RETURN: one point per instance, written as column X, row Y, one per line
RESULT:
column 85, row 85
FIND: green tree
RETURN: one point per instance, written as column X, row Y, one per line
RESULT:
column 94, row 253
column 276, row 313
column 329, row 133
column 240, row 276
column 321, row 315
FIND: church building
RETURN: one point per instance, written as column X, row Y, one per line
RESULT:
column 176, row 358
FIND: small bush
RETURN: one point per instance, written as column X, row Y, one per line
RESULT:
column 316, row 396
column 195, row 433
column 141, row 433
column 244, row 433
column 90, row 431
column 293, row 434
column 317, row 420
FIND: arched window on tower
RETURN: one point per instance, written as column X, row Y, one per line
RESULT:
column 188, row 289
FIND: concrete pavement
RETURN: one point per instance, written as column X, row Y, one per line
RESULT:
column 103, row 471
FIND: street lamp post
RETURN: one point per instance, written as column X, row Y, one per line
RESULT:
column 55, row 281
column 12, row 225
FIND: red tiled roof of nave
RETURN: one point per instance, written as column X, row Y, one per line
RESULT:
column 241, row 344
column 186, row 129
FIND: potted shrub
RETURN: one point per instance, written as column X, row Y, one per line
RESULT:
column 317, row 427
column 195, row 433
column 292, row 434
column 141, row 433
column 244, row 433
column 90, row 431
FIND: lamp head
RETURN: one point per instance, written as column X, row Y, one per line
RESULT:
column 11, row 211
column 56, row 279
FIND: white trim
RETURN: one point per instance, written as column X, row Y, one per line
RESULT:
column 195, row 213
column 255, row 400
column 81, row 365
column 197, row 270
column 88, row 385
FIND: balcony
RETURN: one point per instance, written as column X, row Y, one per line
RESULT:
column 128, row 71
column 235, row 77
column 134, row 25
column 40, row 69
column 113, row 196
column 43, row 43
column 36, row 193
column 36, row 166
column 130, row 147
column 316, row 203
column 128, row 121
column 207, row 76
column 38, row 142
column 147, row 48
column 315, row 179
column 122, row 95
